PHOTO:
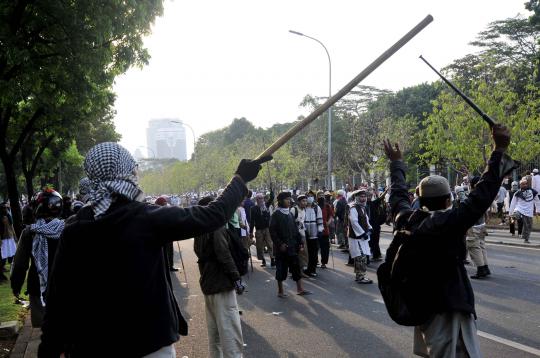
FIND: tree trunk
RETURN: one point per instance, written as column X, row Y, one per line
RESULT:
column 28, row 178
column 13, row 193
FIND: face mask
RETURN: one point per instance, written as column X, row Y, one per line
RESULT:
column 310, row 200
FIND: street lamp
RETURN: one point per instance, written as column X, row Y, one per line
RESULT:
column 148, row 148
column 192, row 131
column 329, row 109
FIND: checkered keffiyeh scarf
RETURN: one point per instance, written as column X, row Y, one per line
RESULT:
column 40, row 247
column 85, row 188
column 110, row 169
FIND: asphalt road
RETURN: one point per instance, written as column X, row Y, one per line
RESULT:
column 345, row 319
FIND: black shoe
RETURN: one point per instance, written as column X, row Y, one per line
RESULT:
column 173, row 269
column 310, row 274
column 480, row 273
column 323, row 266
column 263, row 263
column 272, row 262
column 487, row 272
column 377, row 259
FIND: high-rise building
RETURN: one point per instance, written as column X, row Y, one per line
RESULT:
column 166, row 138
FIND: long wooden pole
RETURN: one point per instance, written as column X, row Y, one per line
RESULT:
column 361, row 76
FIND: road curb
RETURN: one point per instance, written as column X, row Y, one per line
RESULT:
column 535, row 246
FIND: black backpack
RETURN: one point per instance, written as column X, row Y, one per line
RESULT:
column 403, row 278
column 239, row 253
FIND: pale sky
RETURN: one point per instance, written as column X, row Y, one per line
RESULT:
column 213, row 61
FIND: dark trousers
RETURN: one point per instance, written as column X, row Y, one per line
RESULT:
column 313, row 254
column 286, row 263
column 169, row 254
column 374, row 242
column 513, row 226
column 324, row 244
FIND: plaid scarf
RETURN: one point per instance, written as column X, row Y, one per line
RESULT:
column 111, row 170
column 85, row 188
column 40, row 247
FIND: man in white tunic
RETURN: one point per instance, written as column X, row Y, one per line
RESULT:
column 359, row 231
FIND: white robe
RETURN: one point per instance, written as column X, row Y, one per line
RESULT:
column 358, row 247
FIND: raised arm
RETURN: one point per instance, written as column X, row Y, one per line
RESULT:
column 481, row 198
column 399, row 198
column 174, row 223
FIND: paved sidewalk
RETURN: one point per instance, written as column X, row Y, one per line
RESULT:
column 27, row 341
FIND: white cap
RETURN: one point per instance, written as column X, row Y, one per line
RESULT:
column 433, row 186
column 535, row 171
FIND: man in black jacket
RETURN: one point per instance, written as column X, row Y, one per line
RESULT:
column 376, row 219
column 219, row 279
column 123, row 305
column 287, row 245
column 451, row 327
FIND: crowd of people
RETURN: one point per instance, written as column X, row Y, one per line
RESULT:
column 69, row 284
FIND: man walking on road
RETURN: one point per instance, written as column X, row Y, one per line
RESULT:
column 260, row 222
column 219, row 279
column 448, row 299
column 340, row 209
column 359, row 231
column 522, row 207
column 287, row 245
column 299, row 214
column 313, row 223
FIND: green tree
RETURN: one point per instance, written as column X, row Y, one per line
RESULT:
column 58, row 61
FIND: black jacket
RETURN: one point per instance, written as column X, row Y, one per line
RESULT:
column 259, row 219
column 110, row 292
column 216, row 264
column 442, row 235
column 341, row 209
column 24, row 259
column 283, row 230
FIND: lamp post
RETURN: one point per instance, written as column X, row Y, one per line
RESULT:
column 148, row 149
column 192, row 132
column 329, row 174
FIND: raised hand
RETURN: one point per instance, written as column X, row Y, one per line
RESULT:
column 249, row 169
column 501, row 137
column 392, row 152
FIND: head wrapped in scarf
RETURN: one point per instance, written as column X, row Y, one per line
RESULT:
column 111, row 170
column 85, row 187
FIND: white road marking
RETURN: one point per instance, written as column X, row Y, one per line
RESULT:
column 512, row 344
column 497, row 339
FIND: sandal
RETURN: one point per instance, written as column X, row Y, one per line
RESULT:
column 304, row 293
column 282, row 295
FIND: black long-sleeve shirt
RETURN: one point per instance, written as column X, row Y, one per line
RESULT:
column 110, row 290
column 283, row 230
column 443, row 234
column 259, row 219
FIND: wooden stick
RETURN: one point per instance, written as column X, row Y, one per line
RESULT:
column 330, row 101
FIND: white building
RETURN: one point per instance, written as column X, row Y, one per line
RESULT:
column 166, row 138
